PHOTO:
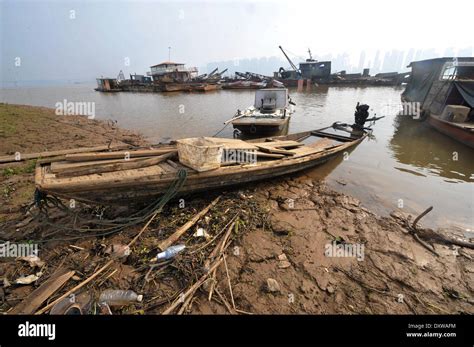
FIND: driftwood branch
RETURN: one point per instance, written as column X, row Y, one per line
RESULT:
column 417, row 219
column 413, row 230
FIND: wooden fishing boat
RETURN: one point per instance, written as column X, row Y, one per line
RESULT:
column 269, row 115
column 461, row 131
column 106, row 178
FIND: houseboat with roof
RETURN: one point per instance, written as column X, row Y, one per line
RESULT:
column 443, row 91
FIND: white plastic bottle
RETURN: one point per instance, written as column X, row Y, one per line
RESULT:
column 170, row 252
column 116, row 297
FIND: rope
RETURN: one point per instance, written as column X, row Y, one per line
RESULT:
column 105, row 226
column 225, row 126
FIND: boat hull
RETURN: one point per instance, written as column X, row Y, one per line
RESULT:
column 175, row 87
column 456, row 132
column 253, row 126
column 205, row 88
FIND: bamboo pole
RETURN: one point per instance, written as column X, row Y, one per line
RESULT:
column 28, row 156
column 119, row 154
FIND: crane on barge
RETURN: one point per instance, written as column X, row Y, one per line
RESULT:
column 293, row 66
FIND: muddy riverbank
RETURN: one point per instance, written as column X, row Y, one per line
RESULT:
column 293, row 245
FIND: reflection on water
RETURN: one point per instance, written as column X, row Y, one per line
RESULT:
column 430, row 152
column 405, row 163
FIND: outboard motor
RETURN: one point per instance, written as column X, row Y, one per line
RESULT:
column 360, row 116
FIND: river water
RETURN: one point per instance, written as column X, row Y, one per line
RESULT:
column 406, row 165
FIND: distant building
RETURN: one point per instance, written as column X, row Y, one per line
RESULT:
column 172, row 72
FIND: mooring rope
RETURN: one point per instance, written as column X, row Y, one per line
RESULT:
column 106, row 226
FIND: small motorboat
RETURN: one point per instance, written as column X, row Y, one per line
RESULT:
column 269, row 115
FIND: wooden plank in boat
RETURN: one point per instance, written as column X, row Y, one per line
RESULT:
column 232, row 143
column 273, row 150
column 332, row 136
column 313, row 148
column 323, row 143
column 270, row 155
column 279, row 144
column 64, row 165
column 119, row 154
column 121, row 165
column 103, row 180
column 167, row 168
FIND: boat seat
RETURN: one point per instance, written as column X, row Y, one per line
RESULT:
column 268, row 105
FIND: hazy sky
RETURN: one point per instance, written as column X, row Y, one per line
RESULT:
column 48, row 40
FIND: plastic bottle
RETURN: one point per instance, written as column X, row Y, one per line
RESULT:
column 170, row 252
column 116, row 297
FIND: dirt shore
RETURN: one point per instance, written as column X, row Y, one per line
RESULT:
column 285, row 255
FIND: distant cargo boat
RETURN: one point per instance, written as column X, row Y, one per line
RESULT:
column 312, row 72
column 205, row 87
column 442, row 92
column 171, row 72
column 107, row 85
column 269, row 115
column 175, row 87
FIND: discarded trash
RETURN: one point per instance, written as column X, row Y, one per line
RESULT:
column 170, row 252
column 28, row 279
column 33, row 261
column 201, row 232
column 116, row 297
column 6, row 283
column 65, row 307
column 104, row 309
column 62, row 306
column 73, row 305
column 73, row 310
column 118, row 251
